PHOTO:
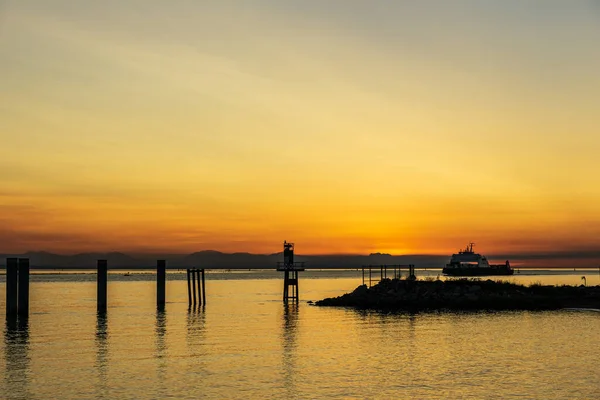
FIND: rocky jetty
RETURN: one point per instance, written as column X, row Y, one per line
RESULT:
column 465, row 294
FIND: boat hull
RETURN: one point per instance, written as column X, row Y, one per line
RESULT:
column 477, row 271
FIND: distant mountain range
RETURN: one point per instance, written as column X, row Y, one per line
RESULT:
column 216, row 259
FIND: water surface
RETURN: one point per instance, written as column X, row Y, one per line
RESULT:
column 246, row 344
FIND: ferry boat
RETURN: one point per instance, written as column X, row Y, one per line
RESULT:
column 468, row 263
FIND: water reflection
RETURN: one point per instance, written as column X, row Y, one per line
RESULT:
column 16, row 354
column 101, row 340
column 196, row 320
column 161, row 351
column 412, row 325
column 411, row 343
column 161, row 330
column 196, row 348
column 289, row 346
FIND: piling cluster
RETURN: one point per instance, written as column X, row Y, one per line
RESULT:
column 17, row 287
column 196, row 287
column 464, row 294
column 102, row 285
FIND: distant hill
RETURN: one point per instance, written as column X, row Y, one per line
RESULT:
column 83, row 260
column 216, row 259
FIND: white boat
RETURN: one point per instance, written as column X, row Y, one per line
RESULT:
column 468, row 263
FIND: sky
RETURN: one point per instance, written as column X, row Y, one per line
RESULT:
column 344, row 126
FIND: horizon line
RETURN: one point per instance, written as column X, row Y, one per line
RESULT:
column 584, row 253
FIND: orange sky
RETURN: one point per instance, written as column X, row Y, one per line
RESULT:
column 346, row 128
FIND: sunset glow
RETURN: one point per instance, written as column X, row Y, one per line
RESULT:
column 344, row 126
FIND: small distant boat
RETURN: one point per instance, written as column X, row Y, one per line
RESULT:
column 127, row 274
column 468, row 263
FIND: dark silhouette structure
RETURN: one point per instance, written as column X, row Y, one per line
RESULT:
column 12, row 279
column 17, row 288
column 101, row 287
column 196, row 287
column 290, row 272
column 465, row 295
column 161, row 277
column 383, row 269
column 23, row 288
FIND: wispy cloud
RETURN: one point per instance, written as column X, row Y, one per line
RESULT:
column 376, row 126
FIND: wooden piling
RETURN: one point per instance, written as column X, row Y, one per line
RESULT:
column 286, row 279
column 194, row 285
column 297, row 290
column 12, row 265
column 161, row 277
column 102, row 281
column 199, row 287
column 203, row 289
column 189, row 287
column 23, row 288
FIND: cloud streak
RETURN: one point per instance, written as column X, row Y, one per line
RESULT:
column 391, row 126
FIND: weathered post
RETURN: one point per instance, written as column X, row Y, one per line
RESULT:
column 161, row 277
column 194, row 284
column 189, row 288
column 199, row 287
column 363, row 273
column 102, row 280
column 11, row 287
column 203, row 289
column 23, row 288
column 297, row 287
column 286, row 283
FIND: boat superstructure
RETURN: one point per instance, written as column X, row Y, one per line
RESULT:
column 468, row 263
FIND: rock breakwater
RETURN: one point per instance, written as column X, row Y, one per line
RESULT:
column 464, row 294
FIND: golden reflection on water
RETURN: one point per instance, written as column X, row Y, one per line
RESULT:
column 289, row 344
column 17, row 361
column 246, row 344
column 102, row 360
column 196, row 319
column 161, row 353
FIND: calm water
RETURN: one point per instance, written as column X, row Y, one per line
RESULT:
column 246, row 344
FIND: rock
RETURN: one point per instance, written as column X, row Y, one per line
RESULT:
column 464, row 294
column 361, row 290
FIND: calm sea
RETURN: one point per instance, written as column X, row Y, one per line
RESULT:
column 246, row 344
